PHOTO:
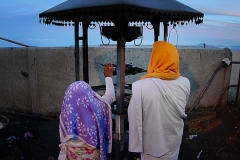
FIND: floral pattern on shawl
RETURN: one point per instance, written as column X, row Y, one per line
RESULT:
column 85, row 116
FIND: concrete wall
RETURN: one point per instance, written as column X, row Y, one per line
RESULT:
column 33, row 80
column 234, row 76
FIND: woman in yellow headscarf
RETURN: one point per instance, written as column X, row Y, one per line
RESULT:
column 157, row 106
column 164, row 62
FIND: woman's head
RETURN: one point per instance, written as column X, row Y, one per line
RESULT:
column 164, row 61
column 86, row 116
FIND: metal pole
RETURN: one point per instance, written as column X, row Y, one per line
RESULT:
column 165, row 31
column 85, row 51
column 76, row 54
column 119, row 121
column 156, row 27
column 14, row 42
column 120, row 74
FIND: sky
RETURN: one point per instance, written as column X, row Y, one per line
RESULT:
column 19, row 22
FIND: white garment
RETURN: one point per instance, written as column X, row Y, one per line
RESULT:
column 172, row 155
column 156, row 111
column 109, row 95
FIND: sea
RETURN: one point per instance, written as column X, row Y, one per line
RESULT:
column 232, row 48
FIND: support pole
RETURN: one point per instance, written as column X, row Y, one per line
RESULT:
column 165, row 31
column 85, row 51
column 76, row 52
column 120, row 73
column 119, row 120
column 156, row 27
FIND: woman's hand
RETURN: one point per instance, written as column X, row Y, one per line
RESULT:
column 108, row 70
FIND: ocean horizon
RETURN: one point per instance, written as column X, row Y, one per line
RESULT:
column 199, row 46
column 232, row 48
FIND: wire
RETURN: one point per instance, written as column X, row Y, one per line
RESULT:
column 148, row 27
column 141, row 38
column 100, row 27
column 92, row 24
column 139, row 43
column 176, row 33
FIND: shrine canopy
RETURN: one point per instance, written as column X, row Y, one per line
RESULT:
column 121, row 21
column 170, row 11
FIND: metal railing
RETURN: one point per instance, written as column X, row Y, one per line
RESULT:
column 8, row 40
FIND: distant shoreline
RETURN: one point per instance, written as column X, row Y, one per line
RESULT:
column 232, row 48
column 196, row 46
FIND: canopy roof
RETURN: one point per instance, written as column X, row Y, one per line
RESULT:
column 115, row 10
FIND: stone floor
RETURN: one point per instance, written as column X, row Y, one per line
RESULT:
column 207, row 135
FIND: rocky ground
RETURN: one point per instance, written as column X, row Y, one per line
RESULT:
column 208, row 135
column 212, row 135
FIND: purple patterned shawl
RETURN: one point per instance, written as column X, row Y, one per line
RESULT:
column 87, row 117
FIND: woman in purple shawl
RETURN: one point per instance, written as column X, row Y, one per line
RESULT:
column 85, row 121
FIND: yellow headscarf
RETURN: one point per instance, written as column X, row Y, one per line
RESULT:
column 164, row 62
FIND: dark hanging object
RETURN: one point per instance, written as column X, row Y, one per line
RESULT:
column 131, row 33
